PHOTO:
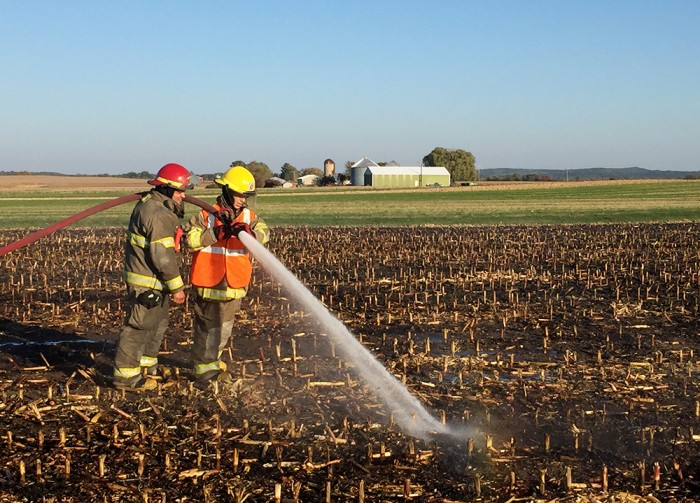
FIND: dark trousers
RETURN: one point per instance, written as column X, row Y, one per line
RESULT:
column 141, row 336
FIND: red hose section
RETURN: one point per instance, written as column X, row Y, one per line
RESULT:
column 198, row 202
column 35, row 236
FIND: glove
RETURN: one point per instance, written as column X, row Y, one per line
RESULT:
column 222, row 232
column 225, row 215
column 238, row 227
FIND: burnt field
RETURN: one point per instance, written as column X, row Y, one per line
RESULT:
column 564, row 358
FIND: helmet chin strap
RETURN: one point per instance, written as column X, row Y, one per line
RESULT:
column 228, row 198
column 166, row 190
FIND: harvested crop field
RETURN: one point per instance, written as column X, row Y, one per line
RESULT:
column 55, row 183
column 62, row 183
column 564, row 359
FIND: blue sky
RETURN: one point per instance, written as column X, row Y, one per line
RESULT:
column 115, row 86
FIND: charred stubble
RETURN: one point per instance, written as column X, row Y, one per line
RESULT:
column 568, row 353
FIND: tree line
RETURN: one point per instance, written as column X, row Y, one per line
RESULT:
column 460, row 163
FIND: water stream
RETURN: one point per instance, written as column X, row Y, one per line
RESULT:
column 409, row 413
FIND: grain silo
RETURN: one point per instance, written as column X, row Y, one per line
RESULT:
column 357, row 171
column 329, row 168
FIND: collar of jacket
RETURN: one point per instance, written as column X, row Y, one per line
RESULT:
column 178, row 209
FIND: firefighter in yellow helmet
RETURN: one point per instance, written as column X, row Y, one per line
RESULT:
column 152, row 276
column 221, row 268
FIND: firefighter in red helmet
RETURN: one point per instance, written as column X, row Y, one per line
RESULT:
column 152, row 276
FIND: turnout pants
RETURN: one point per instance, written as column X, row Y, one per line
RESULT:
column 213, row 325
column 140, row 339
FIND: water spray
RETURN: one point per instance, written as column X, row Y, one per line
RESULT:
column 408, row 412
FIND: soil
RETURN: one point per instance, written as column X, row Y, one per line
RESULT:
column 563, row 359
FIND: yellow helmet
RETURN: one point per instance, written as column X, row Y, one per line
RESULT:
column 239, row 180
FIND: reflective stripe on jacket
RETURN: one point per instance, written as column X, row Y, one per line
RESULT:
column 150, row 259
column 227, row 258
column 221, row 270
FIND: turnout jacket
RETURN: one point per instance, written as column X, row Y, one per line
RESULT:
column 221, row 270
column 151, row 260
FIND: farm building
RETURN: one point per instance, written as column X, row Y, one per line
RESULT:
column 328, row 167
column 405, row 176
column 357, row 170
column 367, row 172
column 307, row 180
column 276, row 181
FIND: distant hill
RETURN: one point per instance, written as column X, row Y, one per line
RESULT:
column 632, row 173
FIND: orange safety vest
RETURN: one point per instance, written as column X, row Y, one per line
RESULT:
column 227, row 258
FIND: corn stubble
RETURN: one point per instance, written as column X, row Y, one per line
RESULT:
column 563, row 360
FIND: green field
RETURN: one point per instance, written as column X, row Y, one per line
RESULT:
column 542, row 203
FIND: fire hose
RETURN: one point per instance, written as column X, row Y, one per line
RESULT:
column 35, row 236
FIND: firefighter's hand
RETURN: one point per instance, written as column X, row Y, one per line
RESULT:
column 222, row 232
column 179, row 297
column 225, row 215
column 238, row 227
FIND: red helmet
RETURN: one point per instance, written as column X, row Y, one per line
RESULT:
column 173, row 175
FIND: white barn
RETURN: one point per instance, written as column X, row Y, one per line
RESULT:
column 367, row 172
column 307, row 180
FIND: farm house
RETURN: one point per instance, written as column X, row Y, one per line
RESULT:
column 367, row 172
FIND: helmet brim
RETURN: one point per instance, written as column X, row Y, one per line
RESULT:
column 158, row 183
column 221, row 183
